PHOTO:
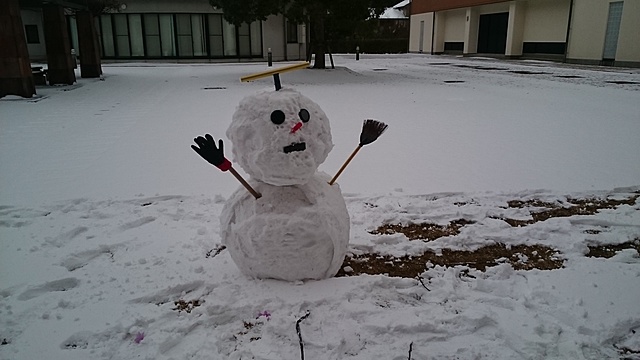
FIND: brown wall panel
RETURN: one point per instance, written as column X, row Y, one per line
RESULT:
column 426, row 6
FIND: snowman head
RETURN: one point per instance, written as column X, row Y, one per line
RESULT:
column 280, row 137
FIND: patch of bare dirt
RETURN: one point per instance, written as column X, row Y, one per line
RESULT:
column 521, row 257
column 554, row 210
column 607, row 251
column 423, row 231
column 186, row 306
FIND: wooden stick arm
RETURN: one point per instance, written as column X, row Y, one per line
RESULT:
column 353, row 154
column 244, row 183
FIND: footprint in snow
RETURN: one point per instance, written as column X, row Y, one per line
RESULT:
column 137, row 223
column 51, row 286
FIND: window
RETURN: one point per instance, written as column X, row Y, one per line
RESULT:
column 152, row 35
column 292, row 32
column 32, row 34
column 215, row 35
column 177, row 35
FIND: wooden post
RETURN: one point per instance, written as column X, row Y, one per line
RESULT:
column 90, row 64
column 15, row 67
column 61, row 67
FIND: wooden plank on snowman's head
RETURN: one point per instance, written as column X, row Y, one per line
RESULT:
column 275, row 72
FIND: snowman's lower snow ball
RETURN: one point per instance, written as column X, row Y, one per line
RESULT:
column 299, row 228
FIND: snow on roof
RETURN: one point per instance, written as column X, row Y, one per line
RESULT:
column 391, row 13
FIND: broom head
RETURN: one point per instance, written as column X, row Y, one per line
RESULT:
column 371, row 130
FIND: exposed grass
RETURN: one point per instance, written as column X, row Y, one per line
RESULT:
column 521, row 257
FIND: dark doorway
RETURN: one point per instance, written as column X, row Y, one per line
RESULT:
column 492, row 33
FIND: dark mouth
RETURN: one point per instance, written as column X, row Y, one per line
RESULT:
column 295, row 147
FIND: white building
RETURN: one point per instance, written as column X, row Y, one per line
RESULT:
column 175, row 30
column 598, row 32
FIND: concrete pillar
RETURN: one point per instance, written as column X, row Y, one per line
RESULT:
column 90, row 64
column 515, row 28
column 15, row 67
column 471, row 31
column 438, row 32
column 60, row 63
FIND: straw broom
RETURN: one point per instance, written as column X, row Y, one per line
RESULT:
column 371, row 130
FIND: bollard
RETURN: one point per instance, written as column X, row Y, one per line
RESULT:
column 269, row 57
column 357, row 53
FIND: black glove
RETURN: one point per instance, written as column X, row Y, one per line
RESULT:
column 208, row 150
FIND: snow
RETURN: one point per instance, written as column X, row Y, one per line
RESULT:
column 110, row 233
column 296, row 232
column 392, row 13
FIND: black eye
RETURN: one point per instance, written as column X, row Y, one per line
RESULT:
column 277, row 117
column 304, row 115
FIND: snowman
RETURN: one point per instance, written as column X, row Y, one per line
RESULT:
column 292, row 224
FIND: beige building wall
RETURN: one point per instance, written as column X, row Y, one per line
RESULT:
column 415, row 29
column 629, row 40
column 454, row 25
column 588, row 28
column 546, row 21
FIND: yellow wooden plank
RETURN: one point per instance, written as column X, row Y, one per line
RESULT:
column 279, row 70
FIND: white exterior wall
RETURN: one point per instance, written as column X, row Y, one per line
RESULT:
column 414, row 32
column 629, row 40
column 454, row 25
column 546, row 21
column 588, row 27
column 36, row 51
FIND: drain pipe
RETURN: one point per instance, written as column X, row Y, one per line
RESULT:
column 433, row 29
column 566, row 41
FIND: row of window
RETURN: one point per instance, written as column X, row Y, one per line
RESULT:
column 177, row 35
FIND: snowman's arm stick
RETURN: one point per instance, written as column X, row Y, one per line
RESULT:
column 371, row 130
column 215, row 156
column 244, row 183
column 353, row 154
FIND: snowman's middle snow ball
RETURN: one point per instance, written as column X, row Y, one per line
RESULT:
column 268, row 143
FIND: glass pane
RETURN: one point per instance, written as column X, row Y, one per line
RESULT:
column 184, row 24
column 185, row 45
column 74, row 34
column 215, row 24
column 243, row 29
column 121, row 24
column 135, row 34
column 123, row 45
column 244, row 40
column 197, row 30
column 153, row 45
column 256, row 38
column 151, row 24
column 166, row 35
column 215, row 42
column 229, row 35
column 107, row 35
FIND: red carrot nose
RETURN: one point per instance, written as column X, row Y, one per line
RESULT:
column 296, row 127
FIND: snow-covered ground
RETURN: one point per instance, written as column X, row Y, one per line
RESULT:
column 107, row 217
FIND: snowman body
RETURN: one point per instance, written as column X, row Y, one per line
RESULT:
column 299, row 228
